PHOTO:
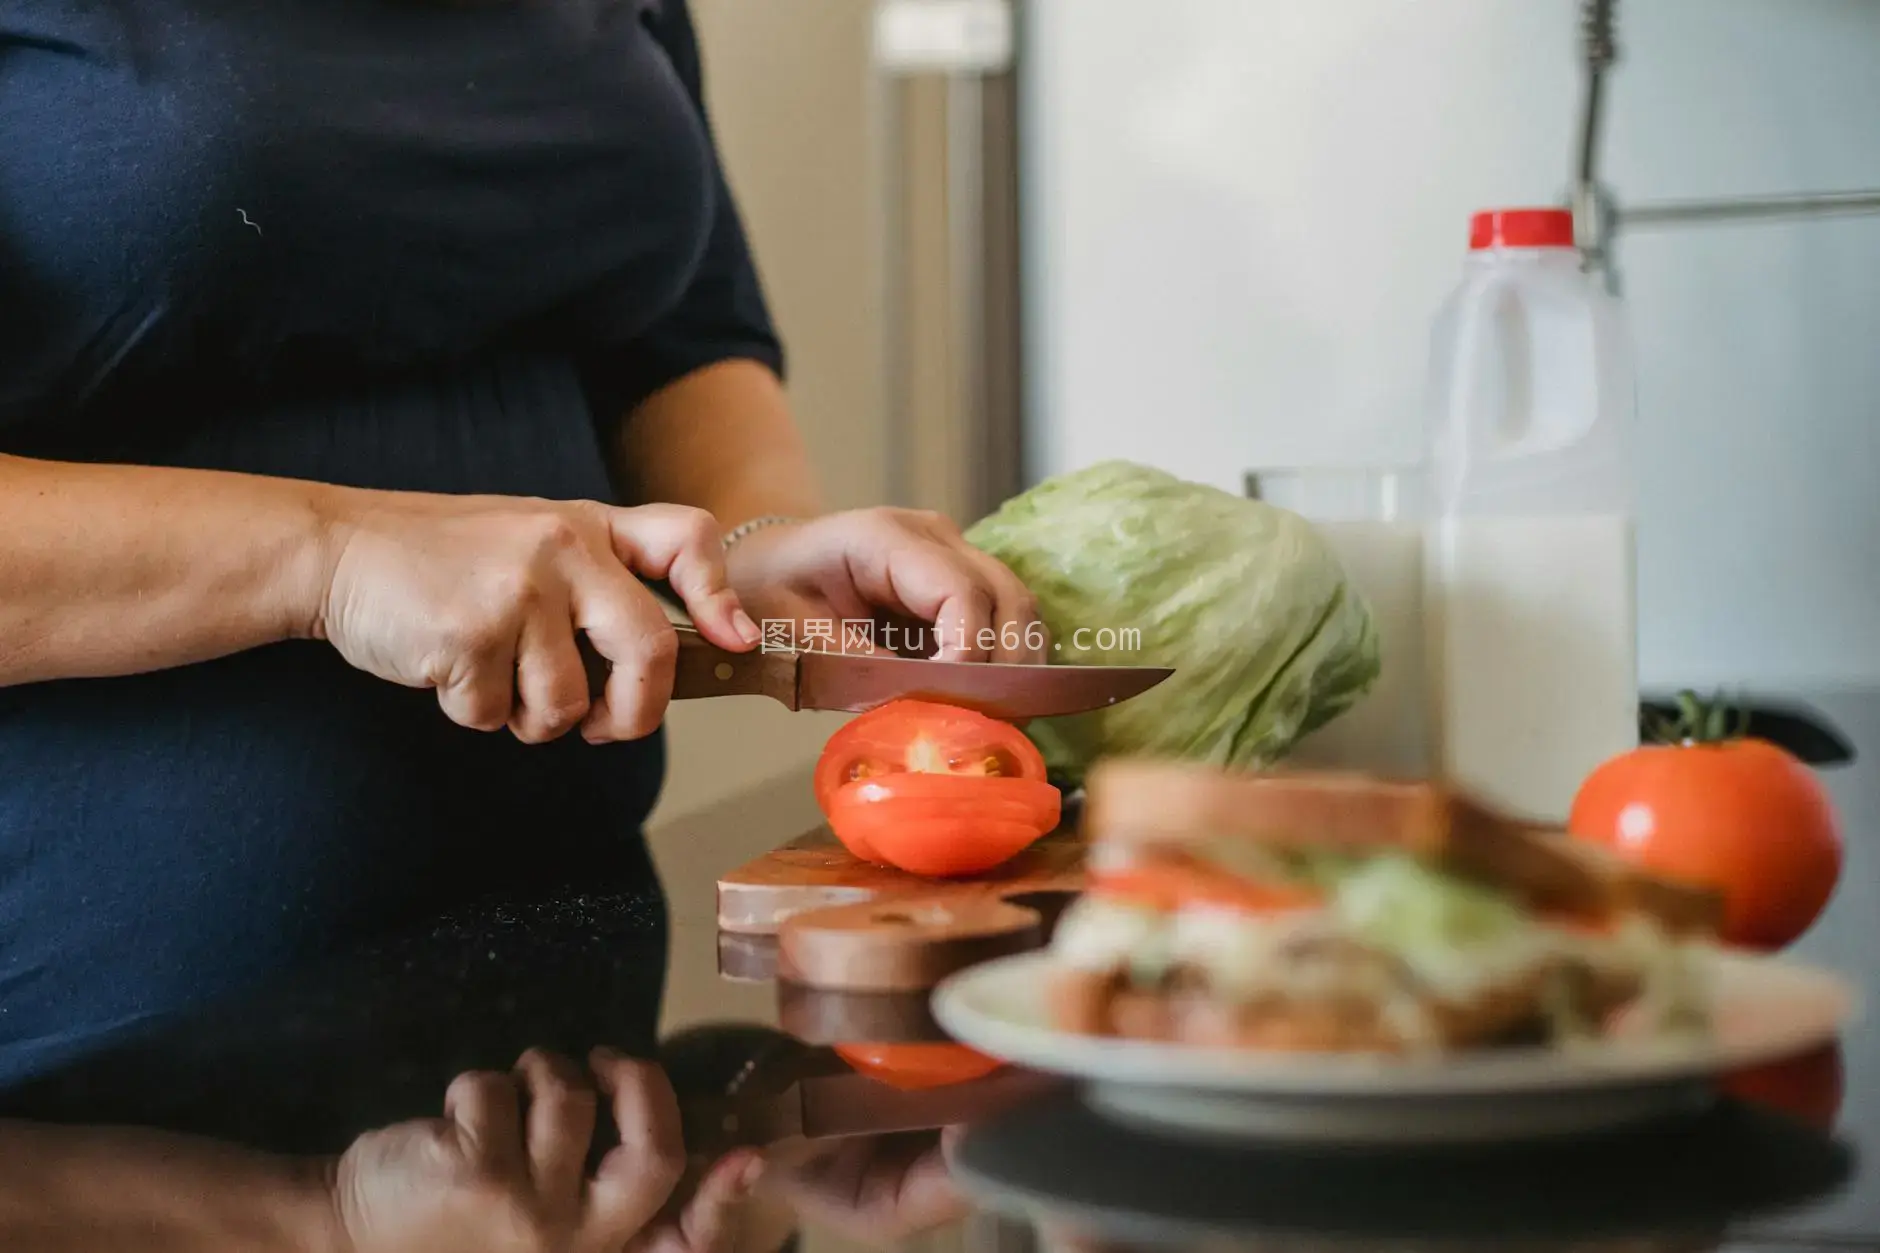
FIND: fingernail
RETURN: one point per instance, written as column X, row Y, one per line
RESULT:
column 746, row 629
column 746, row 1176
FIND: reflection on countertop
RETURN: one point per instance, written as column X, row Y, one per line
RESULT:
column 376, row 1037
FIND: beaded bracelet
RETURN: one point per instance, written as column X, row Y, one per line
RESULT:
column 743, row 529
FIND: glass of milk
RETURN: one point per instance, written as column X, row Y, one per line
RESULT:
column 1373, row 520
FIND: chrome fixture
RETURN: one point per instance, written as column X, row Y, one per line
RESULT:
column 1598, row 217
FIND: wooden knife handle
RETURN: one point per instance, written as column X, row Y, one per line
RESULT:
column 704, row 670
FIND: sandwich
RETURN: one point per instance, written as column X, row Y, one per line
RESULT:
column 1329, row 912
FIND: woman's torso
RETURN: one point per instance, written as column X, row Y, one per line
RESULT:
column 357, row 241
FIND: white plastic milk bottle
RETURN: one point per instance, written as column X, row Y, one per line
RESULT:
column 1531, row 620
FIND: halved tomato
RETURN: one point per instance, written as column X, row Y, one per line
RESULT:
column 917, row 736
column 942, row 825
column 913, row 1067
column 933, row 789
column 1169, row 885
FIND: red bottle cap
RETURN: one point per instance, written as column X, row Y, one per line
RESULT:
column 1521, row 228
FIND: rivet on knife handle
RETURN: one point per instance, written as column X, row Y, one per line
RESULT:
column 704, row 670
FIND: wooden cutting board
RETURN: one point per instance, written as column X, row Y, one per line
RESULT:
column 813, row 871
column 843, row 924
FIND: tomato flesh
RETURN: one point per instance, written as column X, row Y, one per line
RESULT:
column 922, row 737
column 933, row 789
column 1742, row 817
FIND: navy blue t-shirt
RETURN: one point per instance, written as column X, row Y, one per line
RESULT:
column 390, row 243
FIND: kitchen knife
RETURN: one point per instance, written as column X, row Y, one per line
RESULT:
column 854, row 682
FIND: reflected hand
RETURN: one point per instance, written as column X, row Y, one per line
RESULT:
column 875, row 1189
column 505, row 1169
column 893, row 564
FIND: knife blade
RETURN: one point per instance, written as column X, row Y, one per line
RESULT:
column 855, row 683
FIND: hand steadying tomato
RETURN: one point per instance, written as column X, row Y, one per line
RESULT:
column 933, row 789
column 1713, row 808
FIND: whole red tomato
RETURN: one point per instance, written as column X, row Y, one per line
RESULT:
column 1735, row 814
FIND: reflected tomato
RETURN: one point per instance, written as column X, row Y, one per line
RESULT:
column 915, row 1067
column 1808, row 1088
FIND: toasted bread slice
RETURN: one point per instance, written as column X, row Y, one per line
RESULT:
column 1147, row 803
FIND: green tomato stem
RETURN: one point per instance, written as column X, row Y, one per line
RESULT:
column 1699, row 721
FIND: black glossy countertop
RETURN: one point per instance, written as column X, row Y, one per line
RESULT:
column 375, row 1038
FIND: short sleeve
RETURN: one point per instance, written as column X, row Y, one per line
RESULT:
column 723, row 314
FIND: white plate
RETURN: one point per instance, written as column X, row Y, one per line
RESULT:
column 1765, row 1009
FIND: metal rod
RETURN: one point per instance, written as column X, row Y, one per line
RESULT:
column 1599, row 48
column 1750, row 209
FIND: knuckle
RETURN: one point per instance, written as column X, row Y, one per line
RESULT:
column 563, row 713
column 478, row 710
column 638, row 720
column 514, row 588
column 937, row 522
column 660, row 650
column 477, row 720
column 514, row 1224
column 536, row 1059
column 529, row 731
column 666, row 1169
column 463, row 1085
column 550, row 718
column 699, row 525
column 556, row 532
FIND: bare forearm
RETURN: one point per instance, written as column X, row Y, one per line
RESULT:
column 79, row 1190
column 720, row 439
column 119, row 569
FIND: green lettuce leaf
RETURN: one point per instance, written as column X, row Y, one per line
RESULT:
column 1246, row 601
column 1407, row 907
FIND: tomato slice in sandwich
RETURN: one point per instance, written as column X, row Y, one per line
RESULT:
column 1170, row 884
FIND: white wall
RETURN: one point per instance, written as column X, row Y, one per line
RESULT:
column 1242, row 212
